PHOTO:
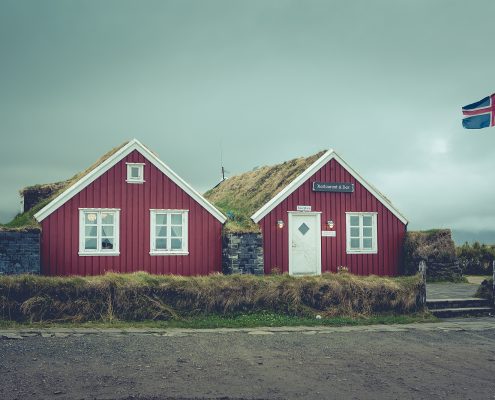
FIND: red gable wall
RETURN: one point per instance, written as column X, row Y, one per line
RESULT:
column 60, row 230
column 390, row 230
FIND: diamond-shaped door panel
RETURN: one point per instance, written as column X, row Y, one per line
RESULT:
column 303, row 228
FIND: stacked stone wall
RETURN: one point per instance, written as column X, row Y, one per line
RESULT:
column 19, row 252
column 242, row 253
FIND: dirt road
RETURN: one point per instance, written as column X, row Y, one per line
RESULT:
column 440, row 362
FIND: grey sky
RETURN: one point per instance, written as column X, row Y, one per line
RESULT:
column 382, row 82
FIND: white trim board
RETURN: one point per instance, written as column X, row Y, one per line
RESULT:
column 325, row 158
column 109, row 163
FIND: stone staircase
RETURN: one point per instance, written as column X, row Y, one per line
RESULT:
column 449, row 308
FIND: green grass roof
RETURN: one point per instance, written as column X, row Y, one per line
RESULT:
column 241, row 196
column 26, row 220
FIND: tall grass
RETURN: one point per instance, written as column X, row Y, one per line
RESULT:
column 140, row 296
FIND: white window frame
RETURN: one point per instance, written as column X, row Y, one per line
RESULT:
column 185, row 232
column 374, row 240
column 130, row 178
column 82, row 233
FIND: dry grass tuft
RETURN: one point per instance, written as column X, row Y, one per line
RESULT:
column 141, row 296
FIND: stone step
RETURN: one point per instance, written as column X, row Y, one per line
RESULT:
column 434, row 304
column 462, row 312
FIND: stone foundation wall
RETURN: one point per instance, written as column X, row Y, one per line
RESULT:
column 19, row 252
column 242, row 253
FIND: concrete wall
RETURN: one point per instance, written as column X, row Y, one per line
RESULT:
column 19, row 252
column 242, row 253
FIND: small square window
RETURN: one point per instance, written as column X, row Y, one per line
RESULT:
column 135, row 173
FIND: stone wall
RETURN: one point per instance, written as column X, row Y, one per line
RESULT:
column 20, row 251
column 242, row 253
column 437, row 249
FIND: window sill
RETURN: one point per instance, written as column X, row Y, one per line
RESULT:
column 169, row 253
column 135, row 181
column 98, row 254
column 362, row 251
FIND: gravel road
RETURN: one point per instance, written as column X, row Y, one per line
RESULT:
column 392, row 363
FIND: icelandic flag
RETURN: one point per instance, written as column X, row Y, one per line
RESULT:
column 480, row 114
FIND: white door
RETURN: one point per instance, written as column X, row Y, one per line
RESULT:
column 304, row 244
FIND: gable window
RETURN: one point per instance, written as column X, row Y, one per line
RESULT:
column 135, row 173
column 361, row 233
column 98, row 231
column 168, row 232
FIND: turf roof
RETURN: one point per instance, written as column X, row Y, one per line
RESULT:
column 26, row 220
column 242, row 195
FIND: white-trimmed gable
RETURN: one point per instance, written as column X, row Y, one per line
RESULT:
column 312, row 169
column 109, row 163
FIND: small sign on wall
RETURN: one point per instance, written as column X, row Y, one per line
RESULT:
column 303, row 208
column 329, row 233
column 339, row 187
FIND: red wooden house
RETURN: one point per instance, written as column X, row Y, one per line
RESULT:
column 327, row 217
column 130, row 213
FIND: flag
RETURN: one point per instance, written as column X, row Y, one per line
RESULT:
column 480, row 114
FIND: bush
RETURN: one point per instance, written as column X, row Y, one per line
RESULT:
column 485, row 290
column 476, row 259
column 141, row 296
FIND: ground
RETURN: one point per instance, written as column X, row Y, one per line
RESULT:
column 447, row 360
column 449, row 290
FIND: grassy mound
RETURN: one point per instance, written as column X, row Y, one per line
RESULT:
column 241, row 196
column 140, row 296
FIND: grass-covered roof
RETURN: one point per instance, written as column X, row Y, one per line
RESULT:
column 241, row 196
column 26, row 220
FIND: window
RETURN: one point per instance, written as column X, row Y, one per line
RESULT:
column 168, row 232
column 135, row 173
column 361, row 233
column 98, row 231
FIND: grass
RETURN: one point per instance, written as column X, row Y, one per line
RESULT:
column 240, row 196
column 141, row 296
column 260, row 319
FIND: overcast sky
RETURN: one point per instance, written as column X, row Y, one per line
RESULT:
column 381, row 82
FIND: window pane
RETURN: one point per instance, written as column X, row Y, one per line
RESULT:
column 367, row 220
column 161, row 231
column 135, row 172
column 354, row 232
column 107, row 244
column 354, row 220
column 367, row 232
column 367, row 243
column 90, row 218
column 176, row 244
column 106, row 231
column 354, row 243
column 161, row 244
column 107, row 218
column 90, row 244
column 90, row 231
column 176, row 231
column 176, row 219
column 161, row 219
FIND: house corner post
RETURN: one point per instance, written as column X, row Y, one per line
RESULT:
column 422, row 290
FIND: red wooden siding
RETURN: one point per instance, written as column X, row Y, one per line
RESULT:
column 60, row 230
column 390, row 230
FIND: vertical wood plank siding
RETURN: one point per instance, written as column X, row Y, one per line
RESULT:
column 390, row 230
column 60, row 237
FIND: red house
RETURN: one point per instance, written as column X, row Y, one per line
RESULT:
column 129, row 213
column 327, row 217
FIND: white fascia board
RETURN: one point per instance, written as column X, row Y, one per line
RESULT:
column 289, row 189
column 109, row 163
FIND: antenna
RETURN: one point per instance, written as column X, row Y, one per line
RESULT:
column 221, row 161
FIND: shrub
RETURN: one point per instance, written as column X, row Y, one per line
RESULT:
column 141, row 296
column 477, row 258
